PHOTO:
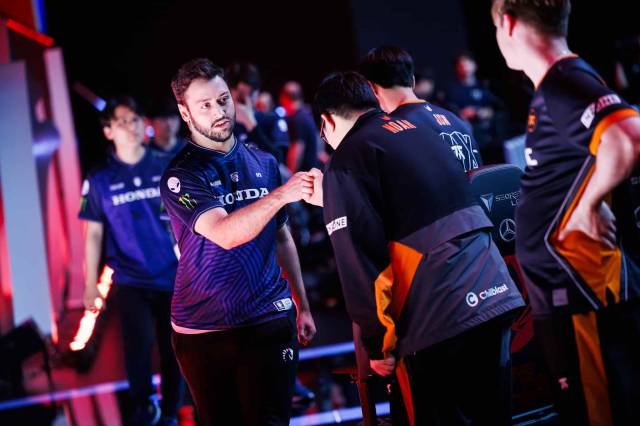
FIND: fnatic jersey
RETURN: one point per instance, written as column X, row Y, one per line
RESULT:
column 215, row 288
column 413, row 248
column 453, row 132
column 570, row 110
column 126, row 200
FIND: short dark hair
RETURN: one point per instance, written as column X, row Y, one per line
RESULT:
column 548, row 17
column 344, row 93
column 388, row 66
column 243, row 72
column 109, row 111
column 193, row 70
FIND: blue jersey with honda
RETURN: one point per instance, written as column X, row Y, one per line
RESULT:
column 126, row 200
column 215, row 288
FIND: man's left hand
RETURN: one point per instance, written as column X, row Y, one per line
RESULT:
column 383, row 367
column 306, row 327
column 597, row 222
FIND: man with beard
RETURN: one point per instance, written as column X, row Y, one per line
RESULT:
column 232, row 312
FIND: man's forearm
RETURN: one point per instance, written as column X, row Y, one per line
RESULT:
column 244, row 224
column 93, row 249
column 288, row 259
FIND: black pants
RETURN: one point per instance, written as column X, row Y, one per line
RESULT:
column 465, row 380
column 243, row 376
column 142, row 310
column 594, row 363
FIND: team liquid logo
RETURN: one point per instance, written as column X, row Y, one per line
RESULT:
column 187, row 201
column 473, row 299
column 174, row 184
column 507, row 230
column 462, row 149
column 235, row 177
column 287, row 355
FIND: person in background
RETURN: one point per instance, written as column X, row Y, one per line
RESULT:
column 304, row 146
column 122, row 209
column 265, row 130
column 474, row 102
column 582, row 143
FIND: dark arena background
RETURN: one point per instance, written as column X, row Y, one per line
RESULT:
column 61, row 364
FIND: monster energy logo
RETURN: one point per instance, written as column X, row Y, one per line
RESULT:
column 187, row 201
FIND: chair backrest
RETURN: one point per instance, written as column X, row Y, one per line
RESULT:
column 497, row 188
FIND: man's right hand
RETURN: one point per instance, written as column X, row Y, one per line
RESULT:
column 297, row 188
column 93, row 301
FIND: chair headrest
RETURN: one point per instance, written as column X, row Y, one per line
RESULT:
column 497, row 188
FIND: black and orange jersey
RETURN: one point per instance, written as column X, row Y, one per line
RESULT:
column 454, row 132
column 569, row 112
column 412, row 246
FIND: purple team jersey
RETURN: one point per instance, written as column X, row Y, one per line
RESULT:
column 219, row 289
column 126, row 200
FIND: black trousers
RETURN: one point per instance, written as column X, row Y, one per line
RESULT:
column 465, row 380
column 142, row 311
column 594, row 363
column 243, row 376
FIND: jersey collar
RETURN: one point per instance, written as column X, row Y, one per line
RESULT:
column 215, row 152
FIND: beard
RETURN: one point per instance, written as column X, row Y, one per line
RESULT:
column 216, row 135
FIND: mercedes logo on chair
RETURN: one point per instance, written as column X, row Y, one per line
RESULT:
column 507, row 230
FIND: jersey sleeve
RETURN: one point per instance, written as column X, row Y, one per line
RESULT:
column 90, row 203
column 357, row 235
column 187, row 196
column 580, row 100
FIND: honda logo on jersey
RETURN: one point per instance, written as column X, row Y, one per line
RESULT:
column 244, row 194
column 138, row 194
